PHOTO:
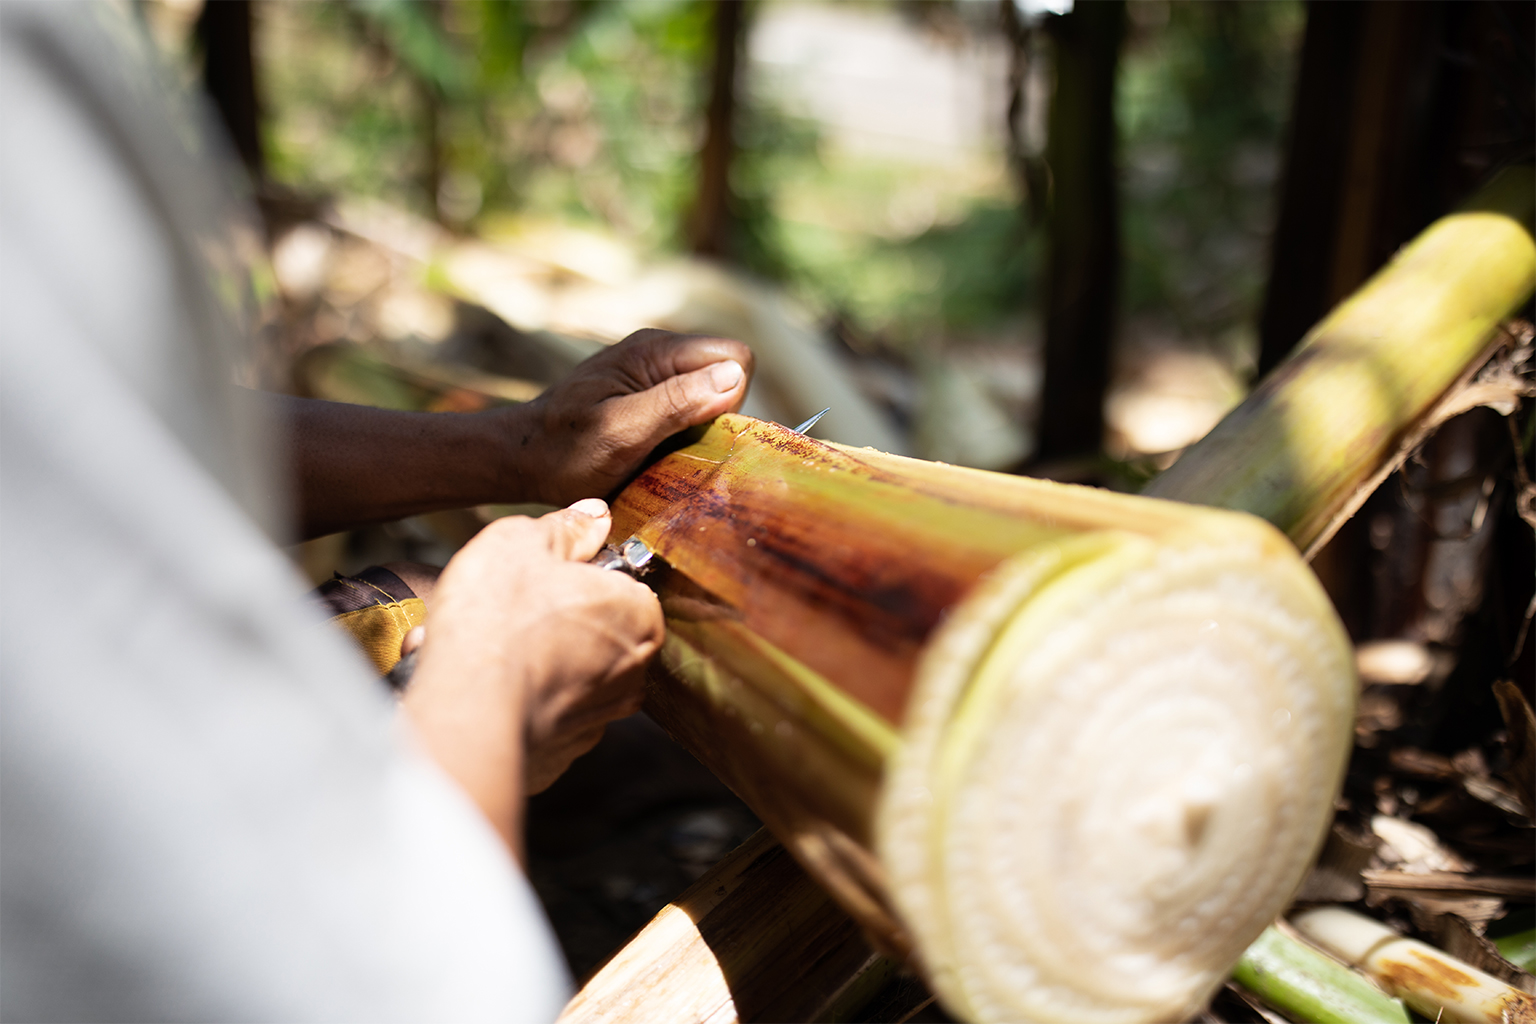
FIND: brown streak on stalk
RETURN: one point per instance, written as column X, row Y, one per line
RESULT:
column 1430, row 977
column 852, row 611
column 844, row 560
column 906, row 616
column 836, row 588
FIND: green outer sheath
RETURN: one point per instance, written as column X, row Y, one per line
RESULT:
column 1306, row 985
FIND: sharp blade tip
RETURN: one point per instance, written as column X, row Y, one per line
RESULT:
column 808, row 424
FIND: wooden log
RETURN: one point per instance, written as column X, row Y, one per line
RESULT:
column 753, row 940
column 1068, row 751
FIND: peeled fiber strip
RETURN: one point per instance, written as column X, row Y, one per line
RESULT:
column 1119, row 759
column 1434, row 983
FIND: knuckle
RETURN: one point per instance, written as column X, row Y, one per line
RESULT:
column 644, row 335
column 676, row 400
column 745, row 356
column 614, row 428
column 507, row 530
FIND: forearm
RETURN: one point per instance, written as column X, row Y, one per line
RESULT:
column 582, row 438
column 466, row 707
column 353, row 465
column 530, row 653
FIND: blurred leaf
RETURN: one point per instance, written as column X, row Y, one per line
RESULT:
column 416, row 36
column 1202, row 101
column 502, row 36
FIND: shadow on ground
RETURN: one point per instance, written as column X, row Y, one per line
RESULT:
column 622, row 833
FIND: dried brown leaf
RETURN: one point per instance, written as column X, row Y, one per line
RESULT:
column 1521, row 723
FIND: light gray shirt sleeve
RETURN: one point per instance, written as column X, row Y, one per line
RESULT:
column 208, row 809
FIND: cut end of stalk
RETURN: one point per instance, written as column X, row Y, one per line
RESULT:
column 1119, row 760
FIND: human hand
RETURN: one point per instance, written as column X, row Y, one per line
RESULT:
column 588, row 433
column 531, row 652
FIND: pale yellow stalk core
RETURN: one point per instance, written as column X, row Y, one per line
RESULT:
column 1119, row 759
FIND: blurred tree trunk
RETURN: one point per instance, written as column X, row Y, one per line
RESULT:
column 223, row 31
column 1309, row 203
column 433, row 98
column 1400, row 109
column 1031, row 176
column 709, row 228
column 432, row 145
column 1084, row 229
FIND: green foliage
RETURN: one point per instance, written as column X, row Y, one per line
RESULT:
column 1204, row 90
column 414, row 34
column 592, row 112
column 986, row 265
column 338, row 118
column 641, row 66
column 972, row 274
column 583, row 110
column 772, row 147
column 502, row 32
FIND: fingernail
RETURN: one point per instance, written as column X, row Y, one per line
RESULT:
column 597, row 508
column 725, row 375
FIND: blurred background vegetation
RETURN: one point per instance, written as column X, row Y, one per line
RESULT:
column 1012, row 234
column 873, row 172
column 1021, row 235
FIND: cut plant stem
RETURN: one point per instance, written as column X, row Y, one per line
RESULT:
column 1128, row 716
column 1068, row 751
column 1431, row 981
column 1305, row 985
column 1319, row 433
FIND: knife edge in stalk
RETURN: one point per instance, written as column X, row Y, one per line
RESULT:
column 633, row 558
column 808, row 424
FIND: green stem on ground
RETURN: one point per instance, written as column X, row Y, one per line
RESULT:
column 1306, row 985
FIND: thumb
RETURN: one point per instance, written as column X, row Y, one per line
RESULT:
column 681, row 401
column 578, row 532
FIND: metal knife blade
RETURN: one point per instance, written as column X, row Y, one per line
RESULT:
column 633, row 558
column 808, row 424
